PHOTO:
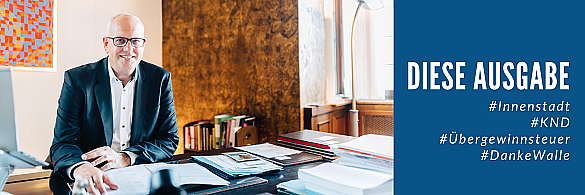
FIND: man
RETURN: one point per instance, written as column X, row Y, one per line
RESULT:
column 114, row 113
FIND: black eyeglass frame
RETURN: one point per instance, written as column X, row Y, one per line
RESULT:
column 127, row 40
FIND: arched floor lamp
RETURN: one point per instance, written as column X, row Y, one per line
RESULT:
column 353, row 113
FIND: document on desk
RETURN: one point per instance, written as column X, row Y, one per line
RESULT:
column 268, row 150
column 136, row 179
column 130, row 180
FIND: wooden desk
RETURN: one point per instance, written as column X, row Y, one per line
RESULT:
column 29, row 183
column 38, row 183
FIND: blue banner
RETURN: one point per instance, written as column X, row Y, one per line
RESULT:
column 488, row 97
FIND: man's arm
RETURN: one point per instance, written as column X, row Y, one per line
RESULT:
column 163, row 140
column 65, row 150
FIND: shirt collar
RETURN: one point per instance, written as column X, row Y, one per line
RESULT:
column 113, row 76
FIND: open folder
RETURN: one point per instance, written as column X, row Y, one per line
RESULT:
column 136, row 179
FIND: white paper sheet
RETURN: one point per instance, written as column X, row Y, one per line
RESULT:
column 324, row 138
column 130, row 180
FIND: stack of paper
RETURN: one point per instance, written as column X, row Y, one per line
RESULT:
column 365, row 166
column 313, row 142
column 374, row 152
column 229, row 168
column 294, row 187
column 330, row 178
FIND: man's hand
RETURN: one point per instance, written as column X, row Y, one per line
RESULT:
column 106, row 154
column 88, row 175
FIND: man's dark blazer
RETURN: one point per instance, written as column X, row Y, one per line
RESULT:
column 85, row 121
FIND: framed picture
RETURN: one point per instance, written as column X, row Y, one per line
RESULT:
column 26, row 38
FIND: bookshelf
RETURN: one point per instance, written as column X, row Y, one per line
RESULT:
column 224, row 131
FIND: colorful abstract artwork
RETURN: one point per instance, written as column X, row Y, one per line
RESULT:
column 26, row 38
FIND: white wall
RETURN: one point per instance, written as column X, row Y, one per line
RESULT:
column 79, row 27
column 329, row 7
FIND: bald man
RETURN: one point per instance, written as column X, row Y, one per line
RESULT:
column 115, row 112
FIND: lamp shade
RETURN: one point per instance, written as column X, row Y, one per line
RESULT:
column 371, row 4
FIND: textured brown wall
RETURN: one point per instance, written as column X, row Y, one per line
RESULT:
column 234, row 57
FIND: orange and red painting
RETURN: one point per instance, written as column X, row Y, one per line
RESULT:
column 26, row 40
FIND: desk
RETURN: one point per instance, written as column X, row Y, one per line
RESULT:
column 38, row 183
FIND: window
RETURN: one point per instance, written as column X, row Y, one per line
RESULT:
column 373, row 48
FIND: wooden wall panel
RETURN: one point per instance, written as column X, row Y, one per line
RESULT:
column 235, row 57
column 330, row 118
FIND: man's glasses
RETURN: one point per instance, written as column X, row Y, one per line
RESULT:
column 121, row 41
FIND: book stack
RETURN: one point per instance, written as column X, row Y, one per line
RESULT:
column 313, row 142
column 198, row 135
column 219, row 132
column 365, row 166
column 226, row 127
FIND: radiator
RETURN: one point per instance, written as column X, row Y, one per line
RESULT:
column 377, row 124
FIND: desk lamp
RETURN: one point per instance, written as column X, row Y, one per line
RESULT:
column 353, row 113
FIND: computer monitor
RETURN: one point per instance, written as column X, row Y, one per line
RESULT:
column 10, row 155
column 9, row 138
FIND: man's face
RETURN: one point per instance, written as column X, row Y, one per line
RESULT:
column 124, row 59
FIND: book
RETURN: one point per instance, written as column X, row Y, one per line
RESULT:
column 327, row 154
column 187, row 137
column 313, row 142
column 228, row 130
column 209, row 132
column 193, row 137
column 197, row 135
column 217, row 130
column 188, row 134
column 235, row 126
column 206, row 131
column 217, row 133
column 223, row 132
column 294, row 159
column 330, row 178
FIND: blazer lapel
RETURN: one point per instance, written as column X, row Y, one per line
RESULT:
column 140, row 102
column 103, row 97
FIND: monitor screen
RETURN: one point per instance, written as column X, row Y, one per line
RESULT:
column 9, row 138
